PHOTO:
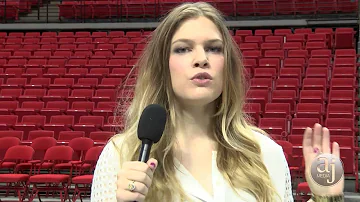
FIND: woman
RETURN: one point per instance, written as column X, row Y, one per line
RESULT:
column 208, row 151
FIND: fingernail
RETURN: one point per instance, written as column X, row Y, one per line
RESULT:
column 152, row 165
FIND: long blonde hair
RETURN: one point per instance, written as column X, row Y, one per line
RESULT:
column 239, row 154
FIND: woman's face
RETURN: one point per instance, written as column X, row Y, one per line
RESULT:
column 196, row 62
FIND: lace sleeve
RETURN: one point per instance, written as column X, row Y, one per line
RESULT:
column 288, row 188
column 104, row 181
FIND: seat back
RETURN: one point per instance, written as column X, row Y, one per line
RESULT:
column 80, row 146
column 41, row 145
column 6, row 143
column 19, row 153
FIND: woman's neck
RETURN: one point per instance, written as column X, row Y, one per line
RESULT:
column 194, row 125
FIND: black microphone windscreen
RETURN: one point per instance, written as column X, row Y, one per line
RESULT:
column 152, row 123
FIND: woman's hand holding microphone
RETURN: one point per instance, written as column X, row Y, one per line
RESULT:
column 134, row 180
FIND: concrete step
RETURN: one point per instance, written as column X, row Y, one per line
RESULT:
column 39, row 15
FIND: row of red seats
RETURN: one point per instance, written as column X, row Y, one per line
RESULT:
column 306, row 96
column 115, row 45
column 73, row 80
column 252, row 58
column 99, row 137
column 340, row 38
column 68, row 53
column 255, row 59
column 78, row 34
column 69, row 40
column 62, row 94
column 57, row 66
column 77, row 109
column 57, row 108
column 299, row 72
column 330, row 33
column 25, row 165
column 292, row 49
column 282, row 53
column 281, row 124
column 61, row 60
column 52, row 108
column 302, row 110
column 317, row 53
column 308, row 83
column 143, row 9
column 60, row 123
column 302, row 37
column 42, row 140
column 10, row 9
column 72, row 75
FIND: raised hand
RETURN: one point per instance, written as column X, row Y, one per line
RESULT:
column 315, row 142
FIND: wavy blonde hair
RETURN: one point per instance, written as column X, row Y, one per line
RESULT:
column 239, row 154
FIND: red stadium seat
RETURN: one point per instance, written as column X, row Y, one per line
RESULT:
column 8, row 107
column 258, row 96
column 341, row 126
column 6, row 143
column 17, row 181
column 314, row 84
column 60, row 123
column 277, row 110
column 12, row 133
column 337, row 110
column 35, row 134
column 310, row 110
column 277, row 126
column 54, row 156
column 80, row 146
column 261, row 83
column 298, row 125
column 80, row 108
column 285, row 96
column 114, row 123
column 101, row 136
column 254, row 111
column 83, row 182
column 54, row 108
column 104, row 109
column 288, row 84
column 89, row 124
column 30, row 123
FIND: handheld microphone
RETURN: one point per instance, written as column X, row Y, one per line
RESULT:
column 150, row 129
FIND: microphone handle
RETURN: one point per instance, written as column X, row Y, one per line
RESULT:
column 145, row 151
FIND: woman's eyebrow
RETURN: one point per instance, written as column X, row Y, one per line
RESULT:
column 189, row 41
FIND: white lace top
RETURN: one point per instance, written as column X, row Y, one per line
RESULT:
column 104, row 181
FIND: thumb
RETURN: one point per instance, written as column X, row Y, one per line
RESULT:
column 152, row 163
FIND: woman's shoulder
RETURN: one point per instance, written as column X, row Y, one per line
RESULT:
column 274, row 159
column 112, row 148
column 266, row 143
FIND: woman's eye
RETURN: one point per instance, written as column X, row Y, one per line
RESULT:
column 214, row 49
column 181, row 50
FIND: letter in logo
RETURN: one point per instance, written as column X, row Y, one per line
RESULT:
column 327, row 170
column 327, row 167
